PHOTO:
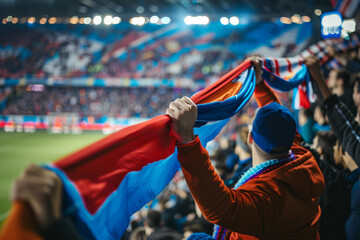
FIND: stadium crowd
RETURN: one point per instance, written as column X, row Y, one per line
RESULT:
column 62, row 51
column 97, row 102
column 329, row 129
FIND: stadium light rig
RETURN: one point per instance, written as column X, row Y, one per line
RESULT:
column 74, row 20
column 317, row 12
column 116, row 20
column 97, row 20
column 31, row 20
column 306, row 19
column 196, row 20
column 165, row 20
column 296, row 19
column 42, row 21
column 52, row 20
column 87, row 20
column 234, row 20
column 154, row 19
column 139, row 21
column 108, row 20
column 285, row 20
column 15, row 20
column 224, row 21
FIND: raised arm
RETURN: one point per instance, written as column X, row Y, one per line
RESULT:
column 263, row 93
column 238, row 210
column 341, row 120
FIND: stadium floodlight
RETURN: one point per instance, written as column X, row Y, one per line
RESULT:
column 165, row 20
column 317, row 12
column 43, row 20
column 285, row 20
column 4, row 21
column 74, row 20
column 15, row 20
column 296, row 19
column 108, row 20
column 204, row 20
column 133, row 21
column 349, row 25
column 97, row 20
column 87, row 20
column 188, row 20
column 154, row 19
column 224, row 21
column 116, row 20
column 234, row 20
column 306, row 19
column 31, row 20
column 137, row 21
column 53, row 20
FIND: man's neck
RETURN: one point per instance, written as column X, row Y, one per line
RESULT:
column 339, row 91
column 257, row 159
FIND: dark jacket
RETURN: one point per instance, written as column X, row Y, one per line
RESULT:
column 344, row 125
column 352, row 226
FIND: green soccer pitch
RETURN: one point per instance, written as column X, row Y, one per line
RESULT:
column 18, row 150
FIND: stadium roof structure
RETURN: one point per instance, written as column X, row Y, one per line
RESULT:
column 174, row 8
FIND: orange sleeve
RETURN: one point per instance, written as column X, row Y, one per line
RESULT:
column 265, row 95
column 20, row 224
column 239, row 210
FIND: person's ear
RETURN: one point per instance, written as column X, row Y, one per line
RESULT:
column 341, row 81
column 319, row 150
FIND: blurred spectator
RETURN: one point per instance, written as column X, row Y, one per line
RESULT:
column 243, row 152
column 156, row 231
column 322, row 123
column 339, row 84
column 324, row 143
column 138, row 234
column 307, row 125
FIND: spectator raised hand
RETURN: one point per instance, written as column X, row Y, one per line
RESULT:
column 42, row 190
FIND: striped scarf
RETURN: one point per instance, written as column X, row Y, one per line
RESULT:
column 221, row 233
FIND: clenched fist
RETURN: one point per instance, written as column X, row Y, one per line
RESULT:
column 183, row 113
column 42, row 190
column 312, row 63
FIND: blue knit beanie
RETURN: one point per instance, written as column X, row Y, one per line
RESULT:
column 274, row 128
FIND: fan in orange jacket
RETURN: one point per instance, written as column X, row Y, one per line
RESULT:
column 279, row 198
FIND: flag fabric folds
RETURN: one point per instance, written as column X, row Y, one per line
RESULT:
column 285, row 74
column 347, row 8
column 108, row 181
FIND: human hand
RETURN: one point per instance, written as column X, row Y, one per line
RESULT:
column 183, row 113
column 42, row 190
column 256, row 61
column 350, row 163
column 313, row 65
